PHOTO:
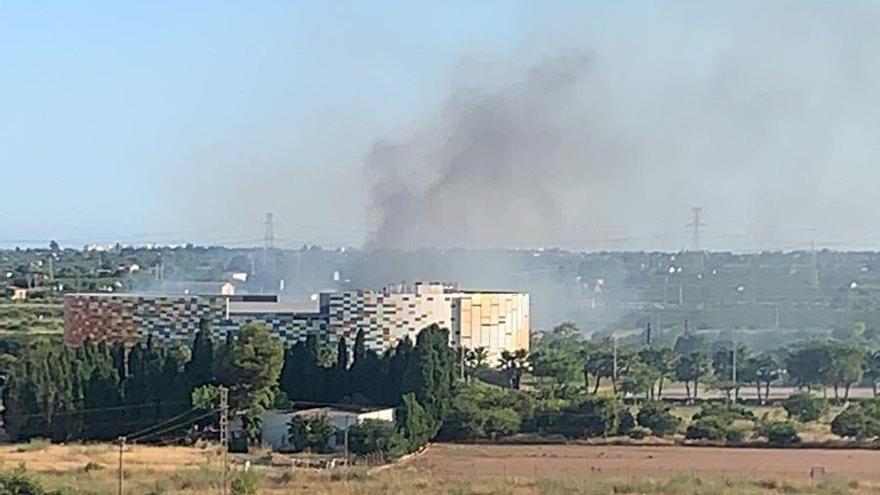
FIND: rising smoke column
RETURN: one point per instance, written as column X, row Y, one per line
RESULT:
column 497, row 164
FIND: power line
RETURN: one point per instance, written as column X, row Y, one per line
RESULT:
column 101, row 409
column 161, row 423
column 174, row 427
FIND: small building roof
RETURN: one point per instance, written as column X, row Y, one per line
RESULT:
column 191, row 288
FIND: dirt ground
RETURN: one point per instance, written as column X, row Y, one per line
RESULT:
column 70, row 457
column 540, row 461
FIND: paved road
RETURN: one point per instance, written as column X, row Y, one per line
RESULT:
column 678, row 392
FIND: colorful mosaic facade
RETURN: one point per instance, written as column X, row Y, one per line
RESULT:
column 130, row 318
column 497, row 321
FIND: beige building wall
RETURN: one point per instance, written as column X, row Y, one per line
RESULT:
column 410, row 312
column 496, row 321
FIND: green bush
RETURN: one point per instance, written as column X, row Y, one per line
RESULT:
column 710, row 428
column 374, row 436
column 781, row 433
column 730, row 412
column 626, row 423
column 594, row 417
column 638, row 433
column 805, row 407
column 34, row 445
column 479, row 411
column 859, row 420
column 244, row 483
column 19, row 482
column 312, row 433
column 657, row 417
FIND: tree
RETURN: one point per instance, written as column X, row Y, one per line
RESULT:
column 662, row 361
column 397, row 364
column 639, row 379
column 301, row 373
column 761, row 371
column 690, row 369
column 809, row 365
column 310, row 433
column 477, row 358
column 337, row 387
column 342, row 358
column 431, row 372
column 598, row 363
column 417, row 426
column 250, row 367
column 689, row 343
column 200, row 368
column 846, row 367
column 872, row 369
column 722, row 364
column 366, row 372
column 515, row 364
column 559, row 366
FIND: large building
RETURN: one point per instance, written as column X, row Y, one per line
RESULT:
column 497, row 321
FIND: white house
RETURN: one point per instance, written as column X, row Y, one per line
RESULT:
column 274, row 428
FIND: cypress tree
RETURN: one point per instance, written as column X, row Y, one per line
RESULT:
column 200, row 368
column 431, row 372
column 341, row 355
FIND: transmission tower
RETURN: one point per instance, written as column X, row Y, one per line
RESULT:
column 696, row 223
column 269, row 238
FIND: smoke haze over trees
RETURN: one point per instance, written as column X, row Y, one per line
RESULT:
column 764, row 118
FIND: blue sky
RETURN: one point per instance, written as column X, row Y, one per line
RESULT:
column 121, row 118
column 186, row 121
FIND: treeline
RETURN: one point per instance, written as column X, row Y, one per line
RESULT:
column 481, row 412
column 98, row 392
column 565, row 363
column 358, row 375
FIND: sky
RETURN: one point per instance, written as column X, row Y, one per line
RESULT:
column 178, row 122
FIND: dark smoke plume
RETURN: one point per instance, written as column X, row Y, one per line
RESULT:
column 492, row 173
column 609, row 150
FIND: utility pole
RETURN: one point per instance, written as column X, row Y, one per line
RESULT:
column 733, row 370
column 224, row 434
column 119, row 469
column 347, row 454
column 776, row 314
column 695, row 224
column 814, row 275
column 614, row 362
column 648, row 334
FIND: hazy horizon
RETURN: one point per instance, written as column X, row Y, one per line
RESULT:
column 583, row 126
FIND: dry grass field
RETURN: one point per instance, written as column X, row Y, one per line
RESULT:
column 471, row 469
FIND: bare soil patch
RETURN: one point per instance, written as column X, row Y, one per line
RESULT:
column 577, row 461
